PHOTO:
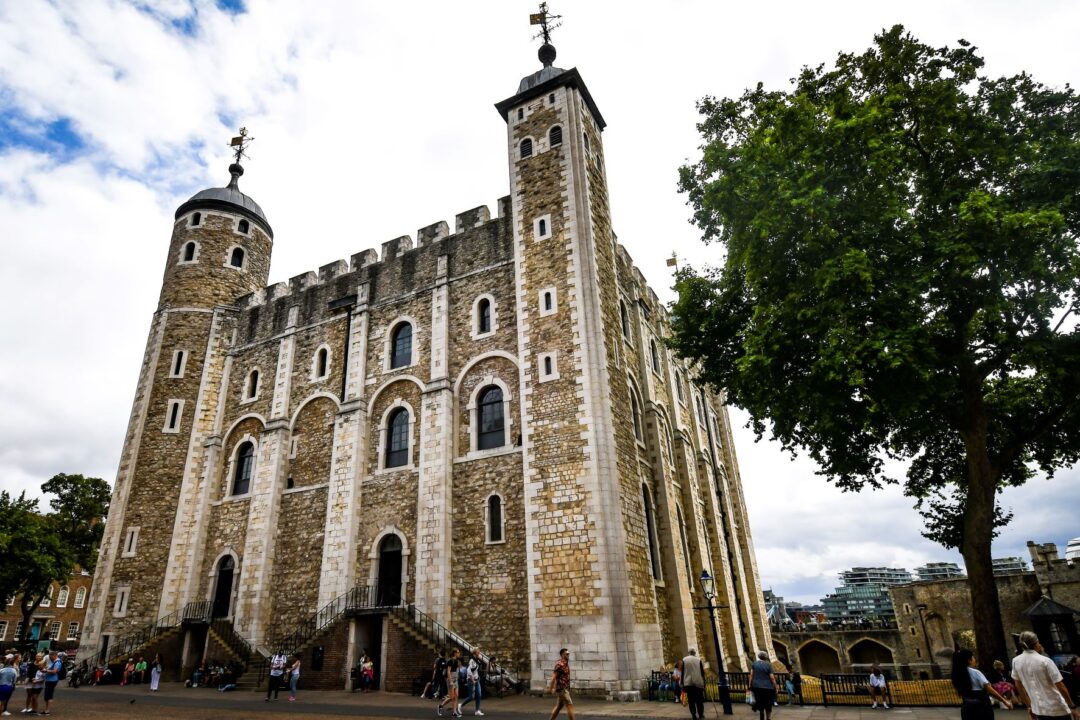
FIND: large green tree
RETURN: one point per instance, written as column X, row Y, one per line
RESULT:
column 900, row 280
column 79, row 506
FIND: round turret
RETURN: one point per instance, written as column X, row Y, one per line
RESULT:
column 220, row 248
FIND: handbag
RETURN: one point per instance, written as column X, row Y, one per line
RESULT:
column 750, row 698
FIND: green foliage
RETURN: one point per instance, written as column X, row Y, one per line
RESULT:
column 901, row 274
column 79, row 509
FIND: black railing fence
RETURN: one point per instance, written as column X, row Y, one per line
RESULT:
column 127, row 645
column 854, row 689
column 661, row 688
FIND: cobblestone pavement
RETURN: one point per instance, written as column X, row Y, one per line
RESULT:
column 175, row 701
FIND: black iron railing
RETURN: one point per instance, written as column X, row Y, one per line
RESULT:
column 227, row 633
column 130, row 643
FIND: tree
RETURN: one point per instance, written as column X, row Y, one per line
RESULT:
column 14, row 516
column 900, row 280
column 79, row 509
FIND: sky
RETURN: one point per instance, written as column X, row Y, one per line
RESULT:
column 373, row 119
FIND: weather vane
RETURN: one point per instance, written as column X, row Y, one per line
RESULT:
column 240, row 143
column 544, row 20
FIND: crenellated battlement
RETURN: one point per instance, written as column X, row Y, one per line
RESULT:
column 367, row 261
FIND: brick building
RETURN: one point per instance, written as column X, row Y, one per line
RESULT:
column 482, row 426
column 61, row 616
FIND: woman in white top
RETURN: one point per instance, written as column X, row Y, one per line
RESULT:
column 294, row 677
column 974, row 689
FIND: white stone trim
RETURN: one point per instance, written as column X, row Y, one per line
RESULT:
column 476, row 334
column 228, row 257
column 62, row 596
column 541, row 366
column 544, row 312
column 122, row 595
column 474, row 420
column 230, row 467
column 131, row 542
column 388, row 343
column 242, row 418
column 545, row 232
column 191, row 216
column 373, row 556
column 469, row 366
column 183, row 251
column 390, row 381
column 183, row 357
column 547, row 136
column 517, row 148
column 246, row 394
column 169, row 427
column 311, row 398
column 314, row 376
column 502, row 519
column 381, row 459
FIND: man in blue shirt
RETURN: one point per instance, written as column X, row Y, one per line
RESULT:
column 52, row 679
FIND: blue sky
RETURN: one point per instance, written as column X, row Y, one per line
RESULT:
column 372, row 120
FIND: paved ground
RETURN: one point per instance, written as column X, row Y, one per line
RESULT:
column 175, row 701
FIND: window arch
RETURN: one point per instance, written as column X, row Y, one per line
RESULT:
column 243, row 227
column 251, row 385
column 650, row 532
column 485, row 318
column 494, row 521
column 196, row 218
column 555, row 136
column 80, row 597
column 320, row 363
column 397, row 438
column 236, row 257
column 62, row 597
column 401, row 346
column 242, row 467
column 625, row 320
column 635, row 412
column 190, row 252
column 490, row 419
column 655, row 356
column 526, row 148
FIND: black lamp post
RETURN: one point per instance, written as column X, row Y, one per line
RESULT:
column 708, row 586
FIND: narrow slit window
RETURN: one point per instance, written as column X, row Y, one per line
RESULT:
column 650, row 531
column 547, row 301
column 243, row 226
column 521, row 113
column 189, row 252
column 625, row 319
column 547, row 366
column 178, row 364
column 237, row 258
column 322, row 362
column 555, row 136
column 252, row 387
column 495, row 519
column 551, row 99
column 196, row 219
column 543, row 227
column 526, row 148
column 174, row 415
column 483, row 311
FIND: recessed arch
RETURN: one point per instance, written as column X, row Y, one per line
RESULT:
column 479, row 358
column 379, row 588
column 868, row 651
column 388, row 415
column 311, row 398
column 817, row 657
column 387, row 383
column 223, row 598
column 473, row 407
column 242, row 418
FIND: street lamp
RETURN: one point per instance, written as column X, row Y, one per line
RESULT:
column 708, row 586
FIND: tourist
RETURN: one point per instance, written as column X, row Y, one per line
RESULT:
column 974, row 689
column 693, row 679
column 495, row 675
column 277, row 672
column 36, row 676
column 431, row 689
column 367, row 672
column 763, row 685
column 52, row 679
column 129, row 672
column 473, row 679
column 155, row 672
column 294, row 677
column 140, row 669
column 452, row 666
column 560, row 685
column 878, row 687
column 677, row 681
column 1039, row 683
column 1001, row 681
column 8, row 677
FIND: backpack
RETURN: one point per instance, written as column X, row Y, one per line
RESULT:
column 62, row 672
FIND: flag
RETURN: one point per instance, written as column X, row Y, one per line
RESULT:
column 536, row 19
column 672, row 261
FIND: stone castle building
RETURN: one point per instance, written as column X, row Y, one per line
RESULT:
column 482, row 424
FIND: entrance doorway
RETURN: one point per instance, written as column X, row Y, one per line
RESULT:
column 389, row 582
column 223, row 587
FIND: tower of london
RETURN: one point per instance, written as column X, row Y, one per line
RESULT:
column 477, row 433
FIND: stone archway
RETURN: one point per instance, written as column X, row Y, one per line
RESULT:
column 781, row 651
column 869, row 652
column 816, row 658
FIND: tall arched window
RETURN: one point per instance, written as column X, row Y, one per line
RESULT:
column 483, row 316
column 650, row 531
column 189, row 252
column 251, row 389
column 655, row 357
column 80, row 597
column 322, row 362
column 494, row 519
column 243, row 226
column 397, row 438
column 401, row 346
column 526, row 148
column 62, row 597
column 245, row 458
column 237, row 258
column 196, row 219
column 625, row 319
column 635, row 412
column 555, row 136
column 490, row 422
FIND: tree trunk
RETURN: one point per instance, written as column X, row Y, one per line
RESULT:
column 978, row 535
column 27, row 616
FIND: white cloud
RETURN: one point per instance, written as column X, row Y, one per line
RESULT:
column 375, row 119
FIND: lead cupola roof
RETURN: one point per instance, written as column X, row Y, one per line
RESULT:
column 228, row 199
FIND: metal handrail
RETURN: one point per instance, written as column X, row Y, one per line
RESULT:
column 127, row 644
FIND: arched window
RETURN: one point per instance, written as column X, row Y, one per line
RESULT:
column 189, row 252
column 547, row 366
column 547, row 300
column 196, row 219
column 483, row 316
column 542, row 225
column 245, row 457
column 397, row 439
column 490, row 423
column 401, row 346
column 655, row 357
column 251, row 389
column 686, row 549
column 625, row 319
column 242, row 227
column 650, row 531
column 526, row 148
column 322, row 362
column 80, row 597
column 62, row 597
column 494, row 519
column 555, row 136
column 635, row 412
column 237, row 258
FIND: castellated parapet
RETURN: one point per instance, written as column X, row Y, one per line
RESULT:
column 481, row 420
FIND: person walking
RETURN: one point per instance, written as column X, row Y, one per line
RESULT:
column 560, row 685
column 52, row 679
column 452, row 667
column 473, row 681
column 277, row 673
column 294, row 677
column 431, row 690
column 763, row 685
column 693, row 679
column 1039, row 683
column 155, row 672
column 878, row 686
column 8, row 677
column 973, row 688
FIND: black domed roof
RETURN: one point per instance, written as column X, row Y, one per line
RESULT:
column 229, row 199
